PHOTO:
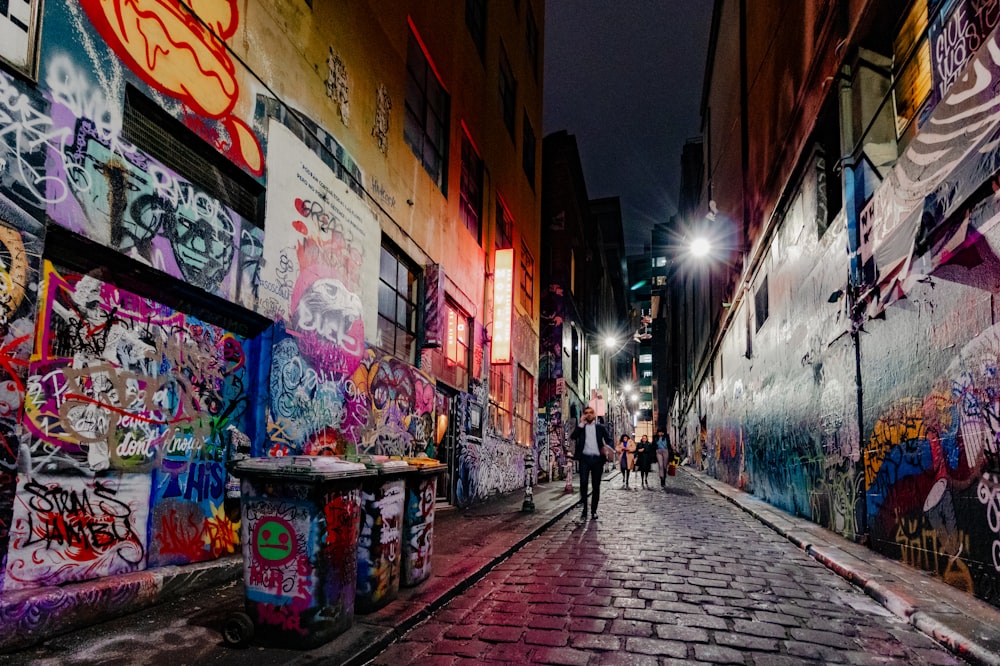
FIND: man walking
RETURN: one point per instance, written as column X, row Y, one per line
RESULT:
column 664, row 454
column 590, row 437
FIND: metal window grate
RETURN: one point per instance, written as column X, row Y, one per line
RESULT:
column 163, row 137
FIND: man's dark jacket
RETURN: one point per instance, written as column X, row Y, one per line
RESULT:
column 579, row 438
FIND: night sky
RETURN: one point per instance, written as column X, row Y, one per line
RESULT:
column 626, row 77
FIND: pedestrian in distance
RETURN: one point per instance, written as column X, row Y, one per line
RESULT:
column 626, row 457
column 644, row 459
column 590, row 438
column 664, row 455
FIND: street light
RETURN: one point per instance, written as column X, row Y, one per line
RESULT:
column 700, row 247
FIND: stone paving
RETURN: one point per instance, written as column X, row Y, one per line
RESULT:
column 663, row 577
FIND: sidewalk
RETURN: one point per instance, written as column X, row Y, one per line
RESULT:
column 467, row 544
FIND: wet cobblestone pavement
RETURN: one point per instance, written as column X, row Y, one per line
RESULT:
column 675, row 576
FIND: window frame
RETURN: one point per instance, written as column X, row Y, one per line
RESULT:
column 507, row 84
column 526, row 281
column 501, row 399
column 524, row 422
column 529, row 146
column 426, row 100
column 475, row 21
column 409, row 301
column 471, row 196
column 456, row 352
column 504, row 226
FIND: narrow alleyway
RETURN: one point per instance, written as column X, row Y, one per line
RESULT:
column 663, row 577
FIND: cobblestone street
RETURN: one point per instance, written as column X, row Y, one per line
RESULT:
column 663, row 577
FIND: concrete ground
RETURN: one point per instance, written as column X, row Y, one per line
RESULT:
column 696, row 572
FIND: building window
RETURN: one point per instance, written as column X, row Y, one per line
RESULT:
column 505, row 227
column 527, row 279
column 574, row 356
column 911, row 58
column 470, row 207
column 531, row 42
column 524, row 422
column 475, row 20
column 572, row 271
column 397, row 304
column 427, row 103
column 151, row 129
column 760, row 303
column 500, row 399
column 457, row 350
column 528, row 148
column 508, row 92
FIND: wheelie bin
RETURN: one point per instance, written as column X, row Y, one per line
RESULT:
column 418, row 522
column 381, row 532
column 300, row 517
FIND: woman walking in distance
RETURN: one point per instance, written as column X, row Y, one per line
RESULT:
column 664, row 454
column 644, row 458
column 626, row 457
column 590, row 437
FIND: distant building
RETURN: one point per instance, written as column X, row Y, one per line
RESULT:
column 583, row 303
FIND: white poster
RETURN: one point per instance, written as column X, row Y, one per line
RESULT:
column 321, row 249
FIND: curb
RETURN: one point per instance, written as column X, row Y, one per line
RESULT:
column 919, row 610
column 28, row 617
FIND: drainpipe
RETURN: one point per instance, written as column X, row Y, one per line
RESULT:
column 854, row 308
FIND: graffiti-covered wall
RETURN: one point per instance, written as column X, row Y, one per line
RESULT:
column 879, row 421
column 191, row 264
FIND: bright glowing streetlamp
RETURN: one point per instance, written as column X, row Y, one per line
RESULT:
column 700, row 247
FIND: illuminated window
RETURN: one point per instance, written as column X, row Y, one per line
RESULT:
column 500, row 399
column 397, row 305
column 524, row 422
column 527, row 279
column 457, row 350
column 427, row 109
column 470, row 206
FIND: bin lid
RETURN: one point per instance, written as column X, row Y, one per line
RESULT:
column 386, row 465
column 426, row 465
column 308, row 468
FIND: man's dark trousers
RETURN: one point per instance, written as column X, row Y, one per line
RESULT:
column 591, row 470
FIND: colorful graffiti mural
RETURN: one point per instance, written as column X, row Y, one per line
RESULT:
column 300, row 571
column 379, row 543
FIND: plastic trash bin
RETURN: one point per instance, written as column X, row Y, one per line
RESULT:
column 300, row 538
column 418, row 522
column 381, row 533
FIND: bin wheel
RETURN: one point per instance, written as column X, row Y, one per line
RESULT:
column 237, row 630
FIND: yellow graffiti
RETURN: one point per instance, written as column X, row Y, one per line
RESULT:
column 902, row 422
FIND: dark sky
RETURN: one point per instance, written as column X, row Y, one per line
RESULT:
column 625, row 77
